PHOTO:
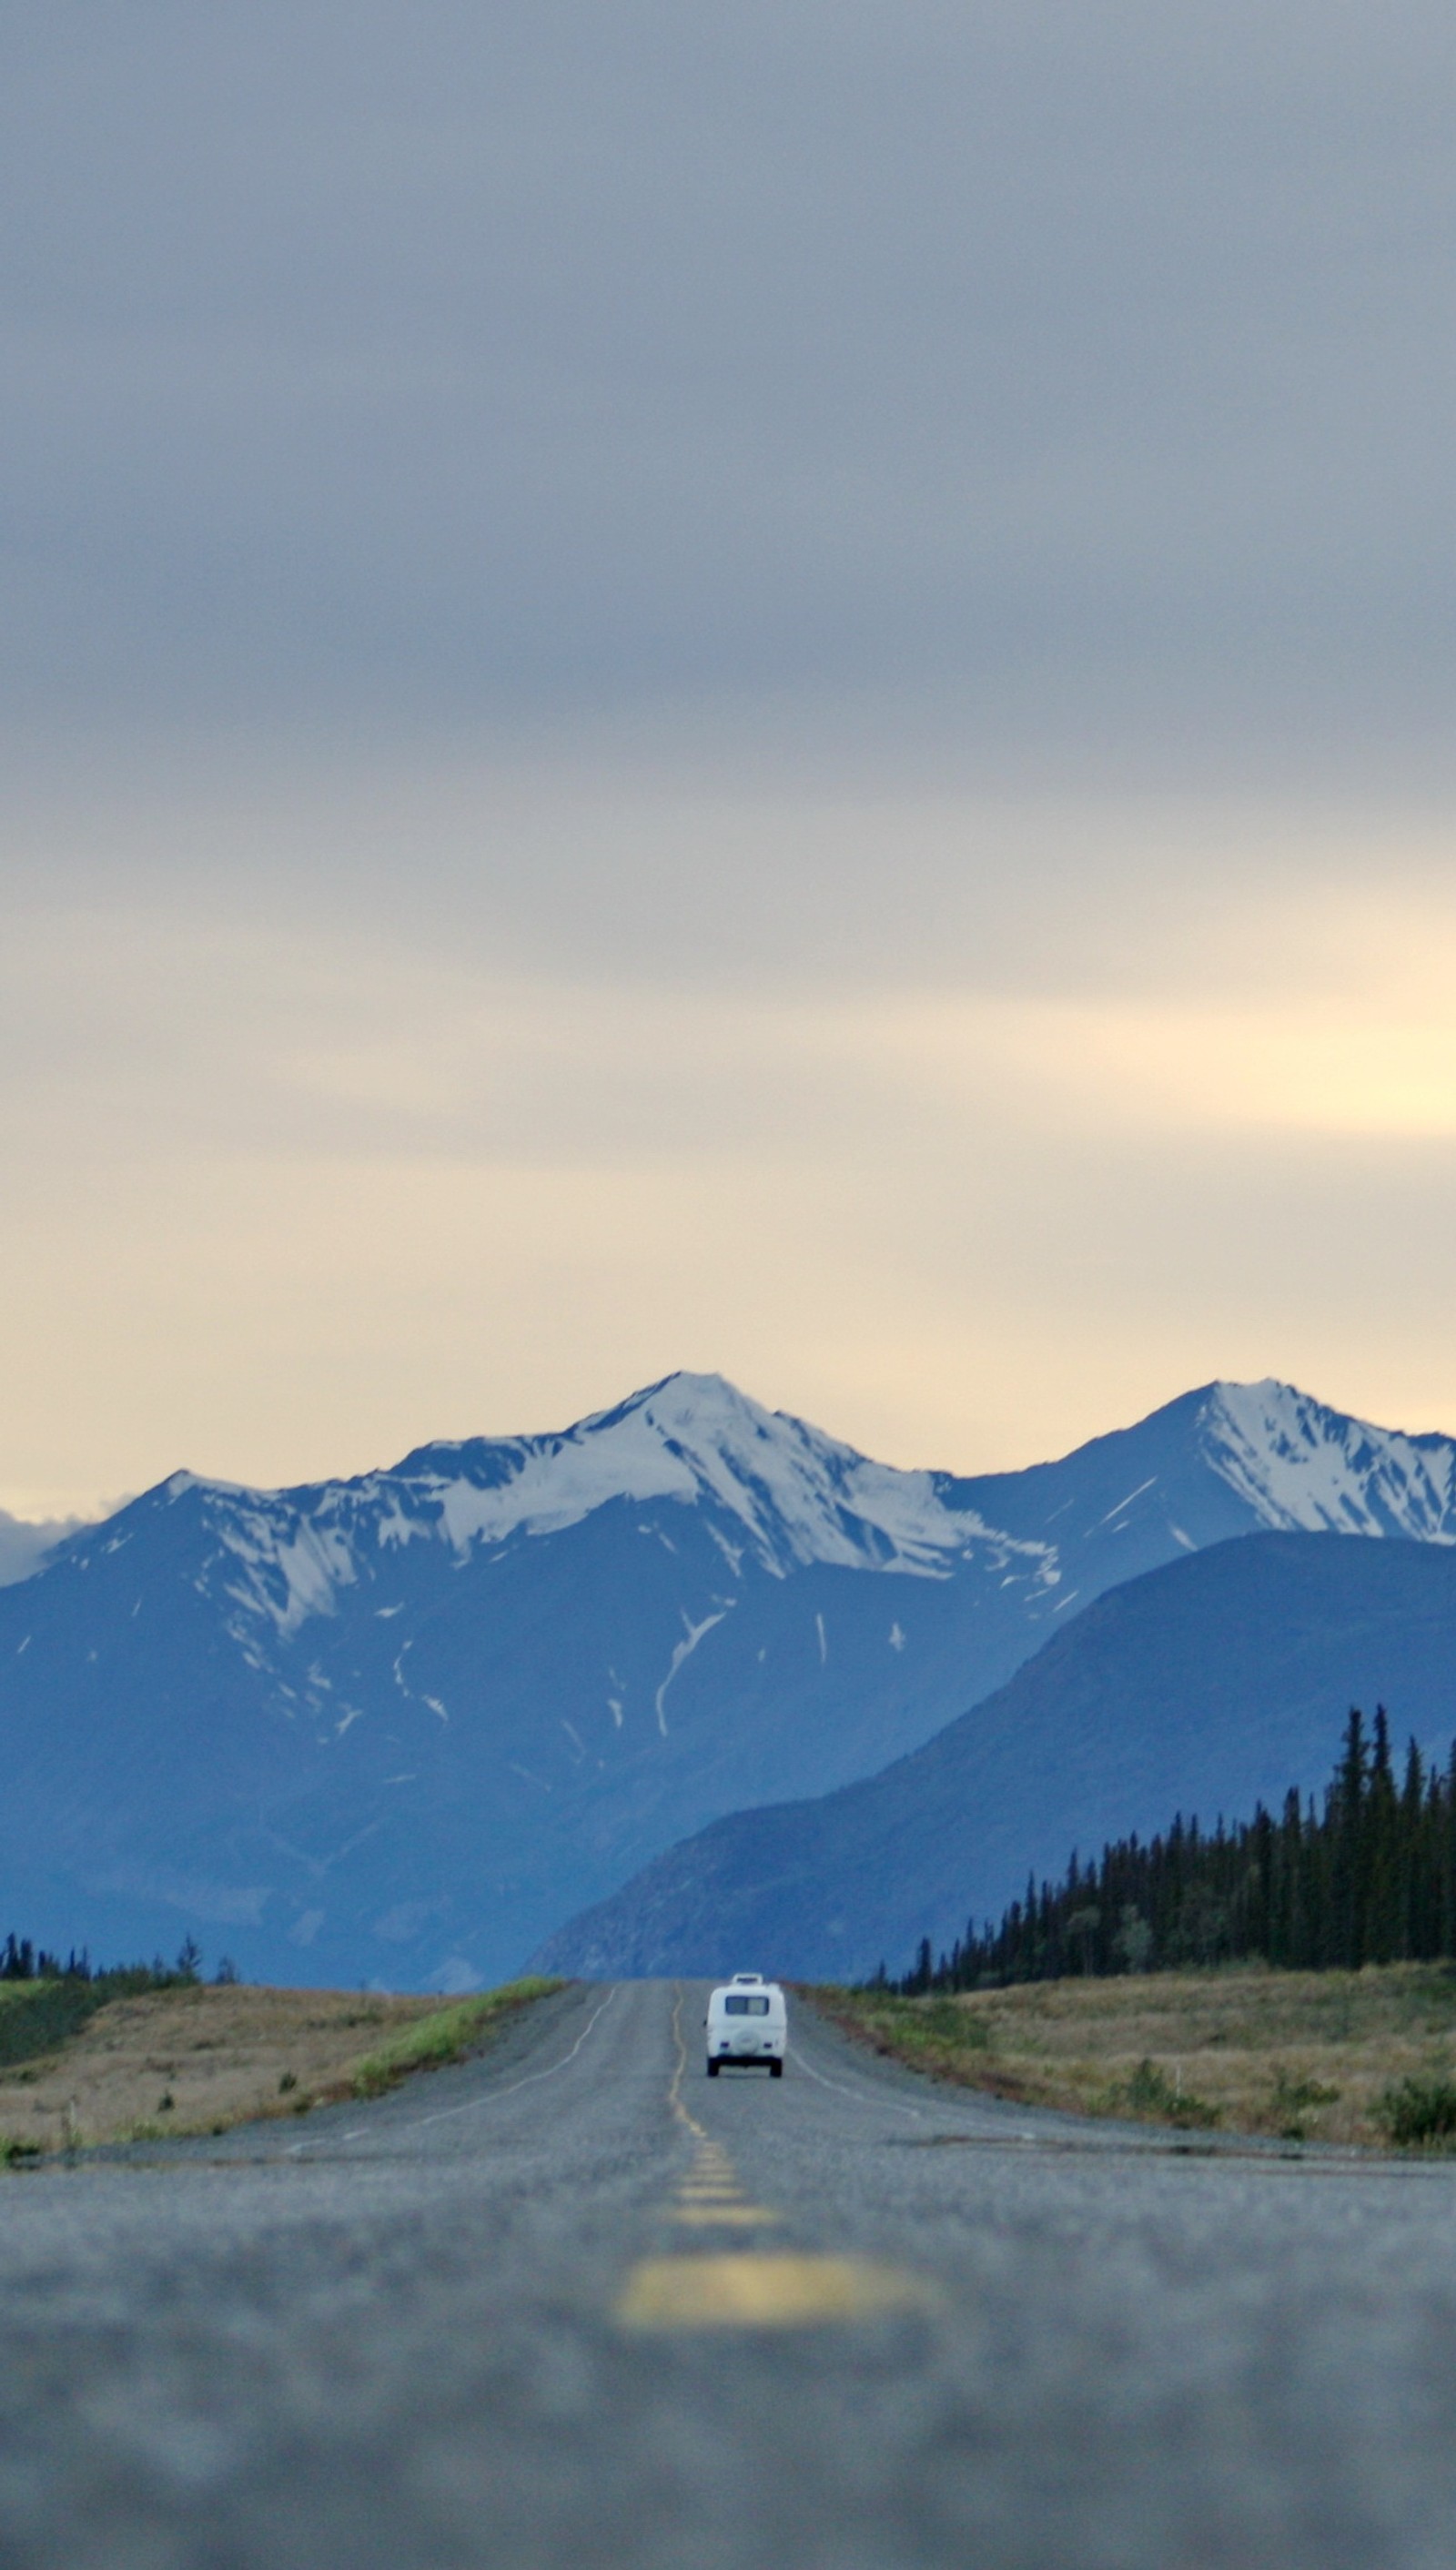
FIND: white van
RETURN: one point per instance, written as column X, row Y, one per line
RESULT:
column 746, row 2022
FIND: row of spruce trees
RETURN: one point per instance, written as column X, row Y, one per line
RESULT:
column 55, row 1999
column 1369, row 1876
column 23, row 1960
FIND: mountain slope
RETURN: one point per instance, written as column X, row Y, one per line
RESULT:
column 1204, row 1686
column 401, row 1727
column 26, row 1546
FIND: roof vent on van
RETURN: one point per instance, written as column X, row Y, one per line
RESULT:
column 747, row 1976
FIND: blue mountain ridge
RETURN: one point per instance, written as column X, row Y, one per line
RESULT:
column 400, row 1728
column 1205, row 1686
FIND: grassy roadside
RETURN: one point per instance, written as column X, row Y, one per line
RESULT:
column 1365, row 2058
column 447, row 2034
column 199, row 2059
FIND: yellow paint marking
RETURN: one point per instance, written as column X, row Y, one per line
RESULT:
column 675, row 2093
column 755, row 2214
column 748, row 2291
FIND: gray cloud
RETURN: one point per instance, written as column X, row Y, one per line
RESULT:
column 1078, row 382
column 764, row 687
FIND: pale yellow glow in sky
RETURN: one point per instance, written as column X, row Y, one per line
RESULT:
column 291, row 1192
column 1313, row 1067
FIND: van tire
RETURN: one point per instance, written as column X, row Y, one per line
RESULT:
column 775, row 2070
column 712, row 2070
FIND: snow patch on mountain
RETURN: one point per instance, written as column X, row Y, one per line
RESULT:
column 800, row 1495
column 784, row 1496
column 792, row 1494
column 290, row 1571
column 683, row 1650
column 1307, row 1469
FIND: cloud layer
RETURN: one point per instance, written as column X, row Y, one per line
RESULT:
column 765, row 690
column 1081, row 378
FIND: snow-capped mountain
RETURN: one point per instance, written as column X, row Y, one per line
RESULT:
column 400, row 1727
column 786, row 1495
column 777, row 1492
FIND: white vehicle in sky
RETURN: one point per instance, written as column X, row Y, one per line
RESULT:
column 746, row 2022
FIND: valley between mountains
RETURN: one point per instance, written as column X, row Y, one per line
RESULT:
column 410, row 1728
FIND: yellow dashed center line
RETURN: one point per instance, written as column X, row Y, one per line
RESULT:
column 750, row 2289
column 755, row 2217
column 759, row 2291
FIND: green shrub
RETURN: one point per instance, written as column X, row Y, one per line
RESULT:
column 1150, row 2092
column 1416, row 2111
column 923, row 2025
column 945, row 2022
column 1292, row 2100
column 38, row 2017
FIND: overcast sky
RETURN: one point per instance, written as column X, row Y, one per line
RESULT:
column 765, row 689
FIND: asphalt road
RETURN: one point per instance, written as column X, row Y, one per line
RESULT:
column 573, row 2305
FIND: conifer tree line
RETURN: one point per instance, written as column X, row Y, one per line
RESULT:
column 55, row 1999
column 20, row 1960
column 23, row 1960
column 1369, row 1876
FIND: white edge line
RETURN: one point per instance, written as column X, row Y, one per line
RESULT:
column 861, row 2096
column 361, row 2132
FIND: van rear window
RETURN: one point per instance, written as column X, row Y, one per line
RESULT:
column 746, row 2008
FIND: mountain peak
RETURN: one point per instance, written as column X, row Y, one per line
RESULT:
column 1307, row 1468
column 799, row 1495
column 704, row 1406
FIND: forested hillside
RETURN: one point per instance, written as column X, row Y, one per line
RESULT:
column 1369, row 1876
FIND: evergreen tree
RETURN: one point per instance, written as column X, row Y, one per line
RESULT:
column 1369, row 1877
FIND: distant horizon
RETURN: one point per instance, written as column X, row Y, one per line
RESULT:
column 87, row 1509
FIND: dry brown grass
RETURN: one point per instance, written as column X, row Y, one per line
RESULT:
column 1306, row 2055
column 197, row 2060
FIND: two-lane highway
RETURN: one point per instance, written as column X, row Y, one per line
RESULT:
column 574, row 2304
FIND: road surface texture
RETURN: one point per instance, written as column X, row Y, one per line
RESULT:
column 574, row 2304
